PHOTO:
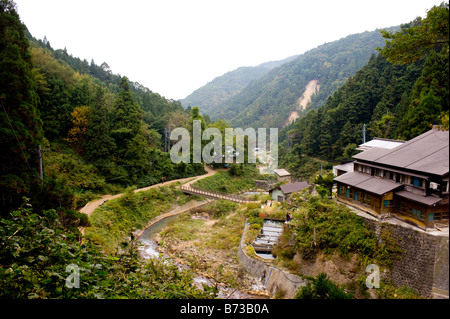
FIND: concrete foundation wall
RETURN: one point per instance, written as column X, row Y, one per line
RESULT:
column 275, row 280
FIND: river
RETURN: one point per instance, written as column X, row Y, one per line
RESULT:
column 150, row 249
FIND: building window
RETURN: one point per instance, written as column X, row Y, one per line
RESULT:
column 445, row 187
column 388, row 175
column 401, row 207
column 434, row 217
column 355, row 196
column 416, row 213
column 416, row 181
column 388, row 203
column 366, row 199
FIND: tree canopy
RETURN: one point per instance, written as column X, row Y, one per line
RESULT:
column 20, row 122
column 419, row 37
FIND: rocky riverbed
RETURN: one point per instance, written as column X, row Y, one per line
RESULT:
column 208, row 247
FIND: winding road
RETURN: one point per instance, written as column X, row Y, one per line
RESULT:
column 90, row 207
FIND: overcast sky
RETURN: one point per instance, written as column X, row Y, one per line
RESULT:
column 173, row 47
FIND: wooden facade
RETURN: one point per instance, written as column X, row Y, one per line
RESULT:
column 282, row 192
column 375, row 204
column 386, row 182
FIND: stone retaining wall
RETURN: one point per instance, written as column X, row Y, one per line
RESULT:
column 277, row 281
column 423, row 262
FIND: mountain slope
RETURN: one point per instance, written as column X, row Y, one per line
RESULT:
column 270, row 100
column 209, row 96
column 393, row 101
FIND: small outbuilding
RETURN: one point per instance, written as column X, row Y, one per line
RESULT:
column 281, row 193
column 282, row 175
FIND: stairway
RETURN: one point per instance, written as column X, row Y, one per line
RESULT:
column 268, row 236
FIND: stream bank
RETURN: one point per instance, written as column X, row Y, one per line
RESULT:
column 178, row 253
column 279, row 282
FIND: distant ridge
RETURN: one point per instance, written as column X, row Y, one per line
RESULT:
column 223, row 87
column 273, row 99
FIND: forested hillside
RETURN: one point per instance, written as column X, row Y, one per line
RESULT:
column 211, row 95
column 269, row 101
column 399, row 99
column 98, row 131
column 71, row 130
column 93, row 133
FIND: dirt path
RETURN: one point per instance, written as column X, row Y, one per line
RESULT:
column 89, row 208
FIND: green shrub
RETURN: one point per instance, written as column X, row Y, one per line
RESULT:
column 228, row 182
column 117, row 218
column 323, row 225
column 35, row 250
column 322, row 288
column 223, row 207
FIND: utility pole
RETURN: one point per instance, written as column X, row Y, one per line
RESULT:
column 41, row 170
column 41, row 173
column 364, row 133
column 167, row 139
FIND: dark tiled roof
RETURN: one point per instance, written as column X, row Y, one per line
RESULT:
column 428, row 153
column 427, row 200
column 369, row 183
column 293, row 187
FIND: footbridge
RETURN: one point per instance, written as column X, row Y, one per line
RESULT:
column 189, row 189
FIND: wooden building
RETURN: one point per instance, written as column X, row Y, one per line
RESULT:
column 410, row 181
column 281, row 193
column 283, row 175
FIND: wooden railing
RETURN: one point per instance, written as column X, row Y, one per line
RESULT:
column 196, row 191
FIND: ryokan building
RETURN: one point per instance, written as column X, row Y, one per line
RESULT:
column 410, row 181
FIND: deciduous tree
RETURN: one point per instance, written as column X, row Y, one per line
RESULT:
column 419, row 38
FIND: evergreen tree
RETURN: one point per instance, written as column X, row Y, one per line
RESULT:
column 99, row 144
column 20, row 123
column 325, row 139
column 127, row 118
column 56, row 84
column 429, row 97
column 310, row 142
column 196, row 116
column 420, row 118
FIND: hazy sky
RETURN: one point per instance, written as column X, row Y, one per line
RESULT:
column 176, row 46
